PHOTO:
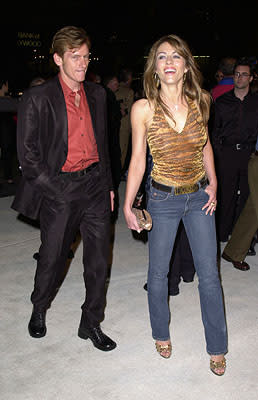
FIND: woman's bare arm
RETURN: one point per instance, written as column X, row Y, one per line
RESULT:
column 138, row 159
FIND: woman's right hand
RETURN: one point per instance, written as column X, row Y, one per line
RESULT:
column 131, row 220
column 138, row 161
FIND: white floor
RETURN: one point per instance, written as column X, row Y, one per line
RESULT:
column 61, row 366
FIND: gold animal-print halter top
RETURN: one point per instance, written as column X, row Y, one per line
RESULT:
column 177, row 157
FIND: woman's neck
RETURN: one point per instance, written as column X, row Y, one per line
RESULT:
column 173, row 98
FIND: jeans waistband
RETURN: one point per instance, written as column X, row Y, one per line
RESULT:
column 77, row 174
column 191, row 188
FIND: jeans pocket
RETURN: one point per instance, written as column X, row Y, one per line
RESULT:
column 203, row 195
column 157, row 195
column 203, row 188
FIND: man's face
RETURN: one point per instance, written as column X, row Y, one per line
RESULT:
column 73, row 65
column 242, row 77
column 113, row 84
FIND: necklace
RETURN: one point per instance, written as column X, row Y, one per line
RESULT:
column 172, row 106
column 175, row 107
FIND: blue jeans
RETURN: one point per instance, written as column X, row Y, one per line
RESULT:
column 167, row 210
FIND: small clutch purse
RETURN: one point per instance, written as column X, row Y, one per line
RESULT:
column 143, row 218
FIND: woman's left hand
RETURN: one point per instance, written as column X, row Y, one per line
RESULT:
column 212, row 202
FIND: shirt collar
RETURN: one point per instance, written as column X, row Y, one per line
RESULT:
column 248, row 94
column 68, row 92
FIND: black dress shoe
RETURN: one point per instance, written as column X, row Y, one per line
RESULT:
column 98, row 338
column 37, row 325
column 241, row 265
column 251, row 251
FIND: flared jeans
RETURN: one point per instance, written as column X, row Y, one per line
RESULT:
column 167, row 209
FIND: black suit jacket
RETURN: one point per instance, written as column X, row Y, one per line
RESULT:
column 42, row 142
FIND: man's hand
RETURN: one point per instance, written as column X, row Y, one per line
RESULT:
column 112, row 196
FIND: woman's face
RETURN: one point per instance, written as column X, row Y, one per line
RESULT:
column 170, row 66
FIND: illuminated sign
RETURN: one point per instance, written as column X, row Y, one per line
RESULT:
column 28, row 39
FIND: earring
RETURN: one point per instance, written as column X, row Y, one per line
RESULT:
column 156, row 79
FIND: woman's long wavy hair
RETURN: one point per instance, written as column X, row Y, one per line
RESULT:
column 192, row 80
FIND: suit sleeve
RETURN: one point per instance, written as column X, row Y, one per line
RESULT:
column 31, row 147
column 106, row 147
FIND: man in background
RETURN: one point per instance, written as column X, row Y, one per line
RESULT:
column 233, row 137
column 226, row 83
column 125, row 96
column 247, row 223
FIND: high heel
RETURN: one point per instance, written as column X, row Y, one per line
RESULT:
column 164, row 350
column 218, row 365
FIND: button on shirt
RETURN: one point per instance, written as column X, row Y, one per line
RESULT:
column 82, row 147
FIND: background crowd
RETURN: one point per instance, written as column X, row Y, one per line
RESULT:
column 233, row 129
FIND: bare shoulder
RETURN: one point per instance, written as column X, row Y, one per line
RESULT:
column 143, row 109
column 141, row 105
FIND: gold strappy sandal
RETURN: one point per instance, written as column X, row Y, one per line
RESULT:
column 161, row 348
column 215, row 365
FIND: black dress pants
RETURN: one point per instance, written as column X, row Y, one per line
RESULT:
column 232, row 175
column 181, row 264
column 83, row 206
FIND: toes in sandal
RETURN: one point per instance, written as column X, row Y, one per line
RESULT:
column 218, row 365
column 164, row 350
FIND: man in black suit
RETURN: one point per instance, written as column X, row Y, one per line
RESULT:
column 66, row 180
column 233, row 133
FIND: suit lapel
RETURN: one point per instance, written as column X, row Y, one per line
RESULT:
column 62, row 119
column 92, row 105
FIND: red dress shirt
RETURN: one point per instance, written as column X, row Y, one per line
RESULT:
column 82, row 147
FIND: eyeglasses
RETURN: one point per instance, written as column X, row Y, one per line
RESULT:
column 243, row 74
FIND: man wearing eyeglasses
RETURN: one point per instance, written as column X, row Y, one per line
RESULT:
column 234, row 137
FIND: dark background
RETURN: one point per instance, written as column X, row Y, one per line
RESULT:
column 122, row 33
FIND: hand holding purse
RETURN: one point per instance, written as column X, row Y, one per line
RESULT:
column 143, row 217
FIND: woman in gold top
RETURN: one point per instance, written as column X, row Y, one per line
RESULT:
column 173, row 121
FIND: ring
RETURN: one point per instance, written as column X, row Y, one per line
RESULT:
column 213, row 204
